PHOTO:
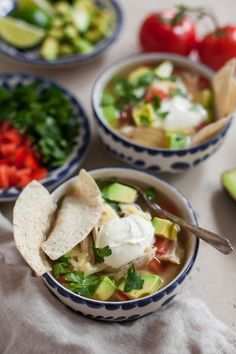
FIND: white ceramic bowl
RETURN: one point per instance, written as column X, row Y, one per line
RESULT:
column 130, row 310
column 154, row 160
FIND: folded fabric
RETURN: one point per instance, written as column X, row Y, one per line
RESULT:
column 33, row 321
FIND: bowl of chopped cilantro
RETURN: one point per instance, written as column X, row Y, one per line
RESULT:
column 44, row 133
column 52, row 33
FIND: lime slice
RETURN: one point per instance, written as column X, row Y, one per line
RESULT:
column 19, row 33
column 38, row 4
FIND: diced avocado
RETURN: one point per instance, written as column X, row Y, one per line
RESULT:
column 107, row 99
column 228, row 180
column 105, row 289
column 120, row 193
column 112, row 116
column 207, row 98
column 164, row 70
column 66, row 49
column 207, row 101
column 144, row 115
column 70, row 32
column 165, row 228
column 103, row 22
column 152, row 283
column 62, row 7
column 177, row 140
column 93, row 35
column 57, row 33
column 135, row 75
column 83, row 46
column 57, row 22
column 81, row 18
column 50, row 49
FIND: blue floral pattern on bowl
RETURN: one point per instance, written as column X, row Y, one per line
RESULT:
column 134, row 309
column 32, row 56
column 80, row 144
column 155, row 160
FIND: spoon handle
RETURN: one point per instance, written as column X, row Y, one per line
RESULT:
column 222, row 244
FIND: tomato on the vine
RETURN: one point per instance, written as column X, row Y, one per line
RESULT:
column 168, row 31
column 217, row 47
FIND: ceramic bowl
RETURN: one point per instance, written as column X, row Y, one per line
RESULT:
column 130, row 310
column 154, row 160
column 31, row 56
column 80, row 145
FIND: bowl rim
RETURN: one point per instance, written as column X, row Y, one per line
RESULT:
column 5, row 195
column 163, row 291
column 117, row 65
column 72, row 59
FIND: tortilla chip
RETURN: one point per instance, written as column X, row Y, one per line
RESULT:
column 147, row 136
column 80, row 211
column 224, row 87
column 31, row 221
column 209, row 131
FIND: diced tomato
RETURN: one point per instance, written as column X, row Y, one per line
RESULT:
column 31, row 161
column 121, row 296
column 39, row 173
column 4, row 180
column 169, row 208
column 153, row 92
column 24, row 177
column 19, row 157
column 12, row 136
column 61, row 279
column 7, row 149
column 162, row 245
column 156, row 266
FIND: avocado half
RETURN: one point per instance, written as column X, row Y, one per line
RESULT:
column 228, row 180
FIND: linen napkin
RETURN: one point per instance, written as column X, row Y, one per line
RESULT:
column 33, row 321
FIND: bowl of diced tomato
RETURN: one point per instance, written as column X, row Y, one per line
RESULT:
column 44, row 133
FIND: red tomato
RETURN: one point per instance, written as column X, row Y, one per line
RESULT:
column 4, row 180
column 153, row 92
column 156, row 266
column 162, row 245
column 121, row 296
column 216, row 48
column 40, row 173
column 160, row 33
column 31, row 161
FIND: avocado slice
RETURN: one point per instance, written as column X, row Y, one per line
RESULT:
column 112, row 115
column 120, row 193
column 228, row 180
column 144, row 115
column 177, row 140
column 105, row 289
column 50, row 48
column 165, row 228
column 207, row 101
column 152, row 283
column 136, row 74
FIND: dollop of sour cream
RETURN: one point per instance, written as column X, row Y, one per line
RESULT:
column 127, row 237
column 182, row 114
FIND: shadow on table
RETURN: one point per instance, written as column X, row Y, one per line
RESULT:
column 225, row 211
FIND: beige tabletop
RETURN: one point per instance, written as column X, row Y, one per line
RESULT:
column 214, row 276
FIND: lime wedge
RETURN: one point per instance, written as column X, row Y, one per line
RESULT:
column 19, row 33
column 37, row 4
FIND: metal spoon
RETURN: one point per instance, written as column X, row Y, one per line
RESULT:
column 221, row 243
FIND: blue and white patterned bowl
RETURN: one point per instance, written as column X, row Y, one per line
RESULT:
column 130, row 310
column 32, row 56
column 155, row 160
column 80, row 144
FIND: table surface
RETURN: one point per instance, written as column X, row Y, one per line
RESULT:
column 213, row 277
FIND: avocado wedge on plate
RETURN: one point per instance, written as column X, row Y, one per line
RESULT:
column 228, row 181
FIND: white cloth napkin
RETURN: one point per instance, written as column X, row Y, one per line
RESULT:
column 33, row 321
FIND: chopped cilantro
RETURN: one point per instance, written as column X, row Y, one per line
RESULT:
column 178, row 92
column 163, row 114
column 78, row 283
column 60, row 267
column 101, row 253
column 114, row 205
column 156, row 101
column 144, row 120
column 146, row 79
column 133, row 280
column 150, row 193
